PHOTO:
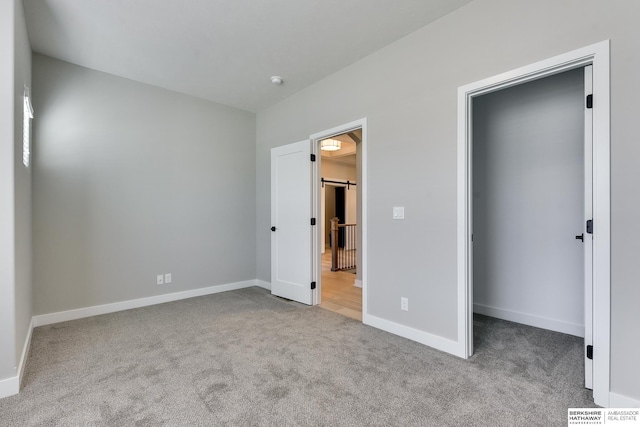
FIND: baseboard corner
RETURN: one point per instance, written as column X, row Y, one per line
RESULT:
column 25, row 353
column 263, row 284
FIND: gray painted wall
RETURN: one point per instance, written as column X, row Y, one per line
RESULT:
column 7, row 201
column 528, row 202
column 23, row 239
column 408, row 92
column 15, row 190
column 131, row 181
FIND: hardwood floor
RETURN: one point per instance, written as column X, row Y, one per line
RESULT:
column 338, row 293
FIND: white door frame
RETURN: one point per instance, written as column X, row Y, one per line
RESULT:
column 598, row 56
column 316, row 194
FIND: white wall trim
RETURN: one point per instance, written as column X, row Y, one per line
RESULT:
column 263, row 284
column 598, row 56
column 531, row 320
column 9, row 386
column 63, row 316
column 620, row 401
column 25, row 352
column 357, row 283
column 434, row 341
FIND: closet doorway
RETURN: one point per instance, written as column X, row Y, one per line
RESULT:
column 592, row 235
column 531, row 200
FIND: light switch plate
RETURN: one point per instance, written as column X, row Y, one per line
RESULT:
column 398, row 212
column 167, row 278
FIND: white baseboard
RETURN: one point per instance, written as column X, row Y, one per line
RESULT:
column 531, row 320
column 620, row 401
column 263, row 284
column 357, row 283
column 435, row 341
column 63, row 316
column 25, row 352
column 9, row 386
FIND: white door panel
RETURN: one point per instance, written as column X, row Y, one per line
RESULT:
column 291, row 240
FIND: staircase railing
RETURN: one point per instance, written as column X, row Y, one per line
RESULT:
column 343, row 246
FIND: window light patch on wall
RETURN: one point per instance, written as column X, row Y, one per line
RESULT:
column 26, row 127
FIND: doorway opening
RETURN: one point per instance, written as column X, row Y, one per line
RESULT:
column 296, row 236
column 595, row 231
column 531, row 186
column 339, row 183
column 340, row 290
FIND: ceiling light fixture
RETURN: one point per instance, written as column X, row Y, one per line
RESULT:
column 277, row 80
column 330, row 145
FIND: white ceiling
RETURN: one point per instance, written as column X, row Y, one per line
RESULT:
column 224, row 50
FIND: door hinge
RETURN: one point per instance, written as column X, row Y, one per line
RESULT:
column 313, row 285
column 590, row 226
column 590, row 101
column 590, row 352
column 313, row 157
column 313, row 221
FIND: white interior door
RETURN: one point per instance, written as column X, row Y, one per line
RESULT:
column 588, row 234
column 291, row 212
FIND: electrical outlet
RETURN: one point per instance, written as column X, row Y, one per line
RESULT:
column 160, row 279
column 404, row 304
column 167, row 278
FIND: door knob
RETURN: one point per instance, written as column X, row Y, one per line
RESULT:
column 274, row 229
column 580, row 237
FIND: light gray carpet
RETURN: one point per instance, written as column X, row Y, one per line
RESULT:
column 245, row 358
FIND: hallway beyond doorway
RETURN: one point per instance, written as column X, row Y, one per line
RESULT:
column 338, row 292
